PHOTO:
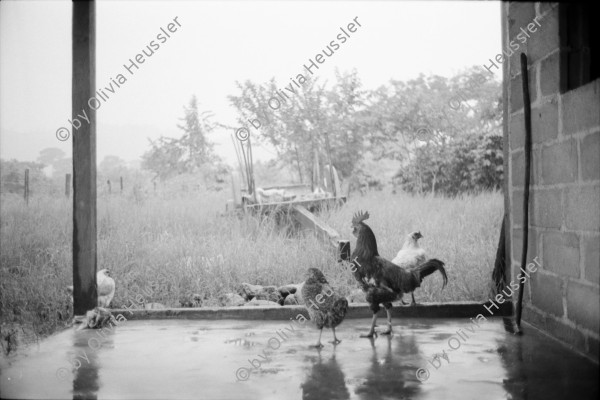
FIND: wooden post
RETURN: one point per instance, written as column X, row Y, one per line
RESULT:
column 310, row 221
column 236, row 190
column 67, row 185
column 238, row 150
column 121, row 179
column 251, row 169
column 26, row 187
column 328, row 148
column 84, row 157
column 344, row 251
column 109, row 186
column 298, row 163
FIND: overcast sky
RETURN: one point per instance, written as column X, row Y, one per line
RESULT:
column 216, row 44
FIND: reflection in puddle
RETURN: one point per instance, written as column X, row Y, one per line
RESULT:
column 325, row 380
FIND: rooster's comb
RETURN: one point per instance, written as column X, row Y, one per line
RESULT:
column 360, row 217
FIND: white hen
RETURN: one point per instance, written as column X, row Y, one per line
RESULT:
column 411, row 255
column 106, row 288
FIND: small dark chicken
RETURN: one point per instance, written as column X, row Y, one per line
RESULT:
column 391, row 281
column 325, row 307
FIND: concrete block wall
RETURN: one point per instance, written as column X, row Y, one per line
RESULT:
column 562, row 297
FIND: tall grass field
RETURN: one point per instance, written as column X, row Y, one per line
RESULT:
column 187, row 245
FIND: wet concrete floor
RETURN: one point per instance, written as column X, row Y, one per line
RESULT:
column 199, row 359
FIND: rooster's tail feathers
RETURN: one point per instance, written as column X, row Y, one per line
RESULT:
column 429, row 267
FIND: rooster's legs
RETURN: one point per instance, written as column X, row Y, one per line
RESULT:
column 335, row 339
column 319, row 345
column 388, row 331
column 372, row 330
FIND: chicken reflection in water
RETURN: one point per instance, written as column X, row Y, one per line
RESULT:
column 390, row 377
column 325, row 380
column 393, row 376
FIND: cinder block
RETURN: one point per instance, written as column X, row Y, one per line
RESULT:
column 557, row 329
column 533, row 317
column 547, row 209
column 582, row 208
column 516, row 132
column 571, row 336
column 545, row 40
column 518, row 169
column 515, row 271
column 539, row 44
column 583, row 305
column 517, row 206
column 519, row 16
column 516, row 89
column 546, row 293
column 590, row 157
column 591, row 256
column 581, row 108
column 544, row 122
column 544, row 7
column 559, row 163
column 550, row 75
column 561, row 253
column 532, row 245
column 544, row 125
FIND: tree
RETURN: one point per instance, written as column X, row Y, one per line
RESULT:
column 195, row 127
column 299, row 124
column 112, row 164
column 112, row 168
column 62, row 167
column 348, row 122
column 164, row 157
column 49, row 156
column 54, row 158
column 12, row 174
column 436, row 127
column 170, row 156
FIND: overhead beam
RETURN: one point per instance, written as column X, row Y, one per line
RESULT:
column 84, row 158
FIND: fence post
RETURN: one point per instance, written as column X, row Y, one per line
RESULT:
column 84, row 158
column 121, row 185
column 26, row 190
column 344, row 250
column 109, row 186
column 67, row 185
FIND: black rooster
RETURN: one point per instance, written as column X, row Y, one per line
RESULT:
column 390, row 280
